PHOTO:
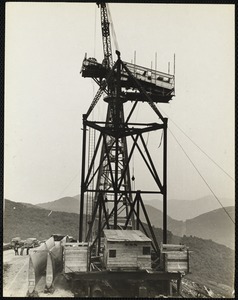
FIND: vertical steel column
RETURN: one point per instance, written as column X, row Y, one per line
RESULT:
column 188, row 261
column 178, row 286
column 116, row 185
column 165, row 183
column 82, row 180
column 100, row 199
column 118, row 110
column 138, row 216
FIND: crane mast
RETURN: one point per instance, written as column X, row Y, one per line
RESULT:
column 114, row 153
column 106, row 39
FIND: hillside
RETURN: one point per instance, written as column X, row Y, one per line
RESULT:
column 65, row 204
column 214, row 225
column 188, row 209
column 156, row 219
column 210, row 262
column 30, row 221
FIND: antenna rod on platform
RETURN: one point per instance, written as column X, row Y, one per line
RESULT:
column 155, row 61
column 155, row 65
column 174, row 72
column 134, row 62
column 174, row 63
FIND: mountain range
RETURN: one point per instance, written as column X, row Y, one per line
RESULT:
column 188, row 209
column 177, row 209
column 26, row 220
column 65, row 204
column 214, row 224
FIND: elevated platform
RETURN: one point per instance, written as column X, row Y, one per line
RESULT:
column 158, row 85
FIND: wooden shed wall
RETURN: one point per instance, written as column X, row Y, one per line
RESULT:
column 129, row 255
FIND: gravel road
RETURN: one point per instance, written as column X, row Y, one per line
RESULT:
column 15, row 278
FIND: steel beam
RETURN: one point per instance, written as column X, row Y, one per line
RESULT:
column 82, row 181
column 165, row 183
column 126, row 275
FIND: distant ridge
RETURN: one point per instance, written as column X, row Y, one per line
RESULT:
column 214, row 225
column 32, row 221
column 29, row 205
column 65, row 204
column 188, row 209
column 179, row 210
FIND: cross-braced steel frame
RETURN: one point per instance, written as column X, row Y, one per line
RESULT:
column 113, row 193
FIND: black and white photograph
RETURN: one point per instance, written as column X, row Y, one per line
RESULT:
column 119, row 150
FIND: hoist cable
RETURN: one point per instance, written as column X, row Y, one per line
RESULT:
column 161, row 138
column 202, row 177
column 199, row 148
column 95, row 20
column 62, row 191
column 71, row 181
column 147, row 139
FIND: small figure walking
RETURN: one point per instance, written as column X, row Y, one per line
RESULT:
column 16, row 247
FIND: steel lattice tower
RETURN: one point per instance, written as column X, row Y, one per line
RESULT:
column 112, row 191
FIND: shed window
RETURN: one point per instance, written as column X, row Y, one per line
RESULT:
column 112, row 253
column 146, row 250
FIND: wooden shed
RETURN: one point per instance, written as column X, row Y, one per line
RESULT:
column 126, row 250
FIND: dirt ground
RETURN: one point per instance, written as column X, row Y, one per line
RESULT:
column 15, row 278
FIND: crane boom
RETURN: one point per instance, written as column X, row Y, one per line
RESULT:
column 106, row 39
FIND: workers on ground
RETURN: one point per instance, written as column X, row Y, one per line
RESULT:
column 22, row 249
column 21, row 246
column 16, row 247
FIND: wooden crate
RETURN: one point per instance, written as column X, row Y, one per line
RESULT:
column 76, row 257
column 175, row 258
column 176, row 262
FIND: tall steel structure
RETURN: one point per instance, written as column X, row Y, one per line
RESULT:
column 114, row 203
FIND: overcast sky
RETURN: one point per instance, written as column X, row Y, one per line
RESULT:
column 45, row 95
